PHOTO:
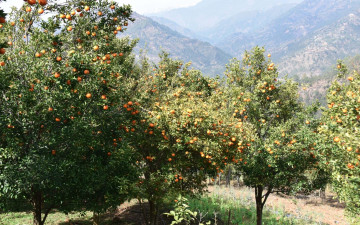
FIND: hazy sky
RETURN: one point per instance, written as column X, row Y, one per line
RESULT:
column 140, row 6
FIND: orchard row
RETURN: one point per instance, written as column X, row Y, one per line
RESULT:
column 86, row 127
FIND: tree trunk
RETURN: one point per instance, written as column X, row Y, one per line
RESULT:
column 37, row 204
column 153, row 212
column 259, row 204
column 322, row 193
column 96, row 218
column 143, row 211
column 260, row 201
column 228, row 177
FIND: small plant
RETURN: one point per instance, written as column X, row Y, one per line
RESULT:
column 182, row 213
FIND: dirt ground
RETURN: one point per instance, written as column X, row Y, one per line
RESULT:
column 325, row 210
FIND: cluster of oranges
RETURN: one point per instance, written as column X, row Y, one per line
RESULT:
column 41, row 2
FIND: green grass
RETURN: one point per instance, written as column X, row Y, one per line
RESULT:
column 242, row 211
column 25, row 218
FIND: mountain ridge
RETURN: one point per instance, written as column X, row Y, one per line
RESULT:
column 155, row 37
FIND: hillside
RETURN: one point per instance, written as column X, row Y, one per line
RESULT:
column 154, row 37
column 306, row 39
column 314, row 54
column 182, row 30
column 207, row 13
column 245, row 22
column 315, row 88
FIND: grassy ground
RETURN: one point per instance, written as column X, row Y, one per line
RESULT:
column 25, row 218
column 220, row 206
column 229, row 209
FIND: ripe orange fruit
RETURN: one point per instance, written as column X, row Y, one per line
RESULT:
column 57, row 119
column 103, row 97
column 118, row 28
column 58, row 58
column 2, row 20
column 2, row 63
column 106, row 107
column 69, row 28
column 336, row 139
column 41, row 11
column 88, row 95
column 42, row 2
column 79, row 79
column 32, row 2
column 96, row 47
column 109, row 153
column 350, row 78
column 57, row 75
column 53, row 152
column 2, row 51
column 86, row 72
column 28, row 9
column 50, row 109
column 99, row 13
column 68, row 17
column 86, row 8
column 112, row 7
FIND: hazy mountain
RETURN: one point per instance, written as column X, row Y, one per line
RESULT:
column 309, row 33
column 176, row 27
column 207, row 13
column 245, row 22
column 295, row 24
column 311, row 56
column 155, row 37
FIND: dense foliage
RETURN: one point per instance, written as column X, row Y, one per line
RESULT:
column 341, row 131
column 278, row 154
column 62, row 84
column 84, row 127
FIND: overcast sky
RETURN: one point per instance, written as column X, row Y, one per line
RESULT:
column 140, row 6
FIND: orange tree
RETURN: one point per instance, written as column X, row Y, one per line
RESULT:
column 61, row 82
column 279, row 151
column 2, row 22
column 341, row 131
column 174, row 129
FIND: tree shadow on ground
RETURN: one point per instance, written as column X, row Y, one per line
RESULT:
column 127, row 214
